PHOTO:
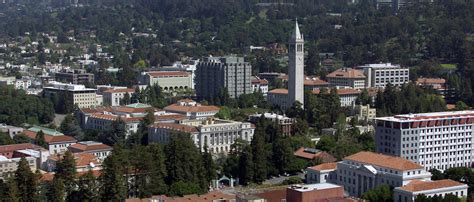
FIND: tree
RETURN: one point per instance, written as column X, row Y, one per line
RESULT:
column 112, row 178
column 259, row 155
column 181, row 188
column 70, row 126
column 158, row 172
column 11, row 190
column 436, row 174
column 5, row 139
column 21, row 138
column 246, row 166
column 209, row 165
column 382, row 193
column 282, row 155
column 115, row 133
column 57, row 190
column 26, row 181
column 39, row 140
column 66, row 171
column 224, row 113
column 460, row 105
column 88, row 188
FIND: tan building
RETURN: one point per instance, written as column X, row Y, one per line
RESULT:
column 364, row 112
column 168, row 80
column 76, row 94
column 347, row 77
column 192, row 109
column 409, row 192
column 9, row 166
column 57, row 141
column 437, row 84
column 313, row 83
column 98, row 149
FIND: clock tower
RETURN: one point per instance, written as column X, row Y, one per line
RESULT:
column 296, row 67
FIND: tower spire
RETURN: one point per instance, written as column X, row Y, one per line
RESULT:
column 296, row 33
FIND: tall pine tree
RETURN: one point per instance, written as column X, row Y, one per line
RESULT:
column 26, row 181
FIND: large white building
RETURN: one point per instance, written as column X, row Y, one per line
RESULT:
column 347, row 77
column 217, row 134
column 192, row 109
column 379, row 75
column 76, row 94
column 113, row 97
column 439, row 140
column 296, row 67
column 409, row 192
column 168, row 80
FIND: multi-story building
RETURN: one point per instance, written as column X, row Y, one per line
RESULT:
column 347, row 96
column 347, row 77
column 192, row 109
column 438, row 140
column 363, row 171
column 57, row 141
column 76, row 94
column 313, row 83
column 364, row 112
column 25, row 150
column 279, row 97
column 379, row 75
column 217, row 134
column 8, row 166
column 23, row 83
column 10, row 130
column 321, row 173
column 168, row 80
column 84, row 162
column 215, row 75
column 260, row 85
column 437, row 84
column 100, row 118
column 409, row 192
column 75, row 76
column 285, row 123
column 98, row 149
column 113, row 97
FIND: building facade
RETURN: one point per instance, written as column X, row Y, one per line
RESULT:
column 285, row 123
column 215, row 75
column 75, row 94
column 98, row 149
column 75, row 76
column 379, row 75
column 8, row 166
column 260, row 85
column 296, row 67
column 438, row 140
column 347, row 77
column 168, row 80
column 57, row 141
column 217, row 134
column 409, row 192
column 113, row 97
column 192, row 109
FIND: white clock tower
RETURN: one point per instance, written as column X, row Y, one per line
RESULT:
column 296, row 67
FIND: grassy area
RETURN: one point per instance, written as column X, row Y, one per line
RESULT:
column 449, row 66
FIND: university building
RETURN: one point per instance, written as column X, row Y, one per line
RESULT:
column 379, row 75
column 438, row 140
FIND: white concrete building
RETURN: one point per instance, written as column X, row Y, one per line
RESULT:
column 347, row 96
column 168, row 80
column 9, row 166
column 260, row 85
column 217, row 134
column 321, row 173
column 439, row 140
column 192, row 109
column 366, row 170
column 379, row 75
column 57, row 141
column 409, row 192
column 112, row 97
column 77, row 94
column 347, row 77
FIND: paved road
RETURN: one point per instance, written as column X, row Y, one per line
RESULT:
column 278, row 180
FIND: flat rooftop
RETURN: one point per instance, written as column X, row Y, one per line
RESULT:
column 428, row 116
column 311, row 187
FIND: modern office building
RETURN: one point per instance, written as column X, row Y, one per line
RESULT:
column 296, row 67
column 217, row 134
column 75, row 76
column 347, row 77
column 215, row 75
column 438, row 140
column 76, row 94
column 379, row 75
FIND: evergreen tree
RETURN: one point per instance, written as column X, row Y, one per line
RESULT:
column 39, row 140
column 259, row 155
column 209, row 165
column 158, row 172
column 115, row 133
column 57, row 190
column 246, row 166
column 112, row 179
column 142, row 168
column 26, row 181
column 283, row 157
column 66, row 171
column 184, row 162
column 70, row 126
column 11, row 190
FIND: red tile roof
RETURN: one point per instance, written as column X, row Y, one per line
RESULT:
column 168, row 74
column 324, row 156
column 315, row 82
column 427, row 81
column 211, row 196
column 199, row 108
column 260, row 81
column 325, row 166
column 82, row 147
column 47, row 177
column 342, row 91
column 348, row 73
column 385, row 161
column 418, row 185
column 15, row 147
column 120, row 90
column 50, row 138
column 176, row 127
column 279, row 91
